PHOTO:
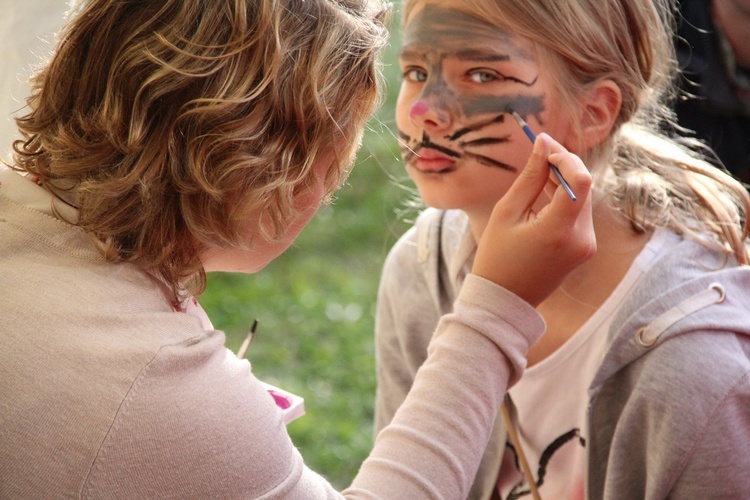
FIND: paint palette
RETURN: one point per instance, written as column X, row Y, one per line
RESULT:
column 292, row 406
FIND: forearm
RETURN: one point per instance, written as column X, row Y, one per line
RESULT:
column 436, row 440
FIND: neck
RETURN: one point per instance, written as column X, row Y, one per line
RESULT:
column 587, row 287
column 617, row 246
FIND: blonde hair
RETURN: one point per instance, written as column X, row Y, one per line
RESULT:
column 177, row 121
column 659, row 179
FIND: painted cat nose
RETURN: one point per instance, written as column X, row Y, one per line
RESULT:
column 426, row 116
column 418, row 109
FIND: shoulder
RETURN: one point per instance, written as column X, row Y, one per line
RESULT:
column 424, row 263
column 434, row 232
column 684, row 329
column 195, row 422
column 688, row 345
column 416, row 250
column 417, row 242
column 681, row 267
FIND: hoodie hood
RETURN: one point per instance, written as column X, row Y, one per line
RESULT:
column 699, row 291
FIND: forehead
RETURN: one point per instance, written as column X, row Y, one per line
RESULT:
column 445, row 31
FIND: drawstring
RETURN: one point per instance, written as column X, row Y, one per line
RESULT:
column 519, row 450
column 647, row 336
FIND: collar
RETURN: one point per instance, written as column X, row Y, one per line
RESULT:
column 23, row 190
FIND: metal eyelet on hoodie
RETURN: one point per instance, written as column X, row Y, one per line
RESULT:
column 648, row 335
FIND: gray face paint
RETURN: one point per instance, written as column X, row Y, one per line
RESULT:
column 438, row 94
column 438, row 33
column 434, row 34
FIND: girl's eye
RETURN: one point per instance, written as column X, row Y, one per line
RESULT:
column 484, row 76
column 415, row 75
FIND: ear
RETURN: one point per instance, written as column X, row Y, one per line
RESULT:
column 600, row 110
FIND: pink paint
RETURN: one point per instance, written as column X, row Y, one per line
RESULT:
column 418, row 108
column 282, row 401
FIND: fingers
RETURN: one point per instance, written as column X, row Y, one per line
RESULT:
column 537, row 177
column 530, row 252
column 566, row 222
column 533, row 179
column 578, row 178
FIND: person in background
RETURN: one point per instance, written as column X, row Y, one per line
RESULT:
column 168, row 138
column 640, row 385
column 714, row 55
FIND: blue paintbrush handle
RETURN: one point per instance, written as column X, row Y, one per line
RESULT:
column 532, row 138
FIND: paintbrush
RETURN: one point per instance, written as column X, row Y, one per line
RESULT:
column 291, row 405
column 532, row 138
column 246, row 343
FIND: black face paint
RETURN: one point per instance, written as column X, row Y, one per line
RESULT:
column 436, row 34
column 408, row 152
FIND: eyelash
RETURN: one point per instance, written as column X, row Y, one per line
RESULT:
column 410, row 74
column 493, row 76
column 410, row 71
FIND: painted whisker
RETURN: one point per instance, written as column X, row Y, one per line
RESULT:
column 484, row 160
column 478, row 126
column 487, row 141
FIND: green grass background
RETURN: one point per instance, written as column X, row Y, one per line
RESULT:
column 315, row 304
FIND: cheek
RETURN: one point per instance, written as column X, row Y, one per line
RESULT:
column 404, row 103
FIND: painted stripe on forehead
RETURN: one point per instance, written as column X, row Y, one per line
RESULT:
column 452, row 32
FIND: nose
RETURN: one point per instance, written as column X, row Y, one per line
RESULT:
column 428, row 116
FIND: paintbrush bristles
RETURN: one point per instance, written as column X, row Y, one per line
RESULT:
column 518, row 118
column 246, row 343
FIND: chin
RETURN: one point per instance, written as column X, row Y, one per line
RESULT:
column 441, row 202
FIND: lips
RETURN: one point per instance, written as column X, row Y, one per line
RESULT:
column 431, row 161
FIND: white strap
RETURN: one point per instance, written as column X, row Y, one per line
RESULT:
column 648, row 335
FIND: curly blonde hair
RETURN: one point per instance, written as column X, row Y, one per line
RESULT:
column 177, row 121
column 653, row 176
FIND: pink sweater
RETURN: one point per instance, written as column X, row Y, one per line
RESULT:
column 107, row 392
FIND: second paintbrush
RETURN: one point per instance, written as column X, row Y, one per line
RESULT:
column 532, row 138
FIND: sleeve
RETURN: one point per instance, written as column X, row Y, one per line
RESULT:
column 197, row 424
column 720, row 457
column 434, row 444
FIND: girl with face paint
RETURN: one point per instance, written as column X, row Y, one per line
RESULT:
column 644, row 340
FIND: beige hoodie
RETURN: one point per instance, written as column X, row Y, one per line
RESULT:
column 107, row 392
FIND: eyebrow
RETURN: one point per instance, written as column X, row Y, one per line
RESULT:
column 478, row 55
column 411, row 53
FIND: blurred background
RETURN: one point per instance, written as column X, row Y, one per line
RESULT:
column 315, row 304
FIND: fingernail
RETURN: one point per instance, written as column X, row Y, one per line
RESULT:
column 539, row 145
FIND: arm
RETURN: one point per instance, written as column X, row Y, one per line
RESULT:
column 197, row 423
column 720, row 457
column 448, row 415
